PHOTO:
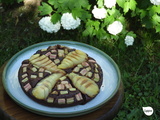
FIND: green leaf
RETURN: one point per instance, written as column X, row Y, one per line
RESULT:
column 78, row 4
column 85, row 15
column 81, row 13
column 131, row 33
column 71, row 4
column 126, row 7
column 55, row 18
column 156, row 22
column 76, row 12
column 133, row 4
column 156, row 18
column 81, row 3
column 100, row 3
column 121, row 3
column 88, row 31
column 45, row 9
column 129, row 5
column 108, row 20
column 122, row 19
column 114, row 12
column 153, row 10
column 96, row 25
column 92, row 28
column 54, row 3
column 143, row 13
column 101, row 34
column 63, row 1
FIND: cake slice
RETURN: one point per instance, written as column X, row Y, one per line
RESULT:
column 43, row 61
column 44, row 87
column 73, row 59
column 84, row 84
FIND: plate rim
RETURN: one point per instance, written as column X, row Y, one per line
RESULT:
column 57, row 114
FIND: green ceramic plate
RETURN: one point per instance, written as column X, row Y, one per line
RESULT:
column 110, row 85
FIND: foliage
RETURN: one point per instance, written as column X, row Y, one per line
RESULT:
column 123, row 11
column 83, row 10
column 10, row 1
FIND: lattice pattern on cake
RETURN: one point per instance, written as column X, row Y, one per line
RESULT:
column 60, row 76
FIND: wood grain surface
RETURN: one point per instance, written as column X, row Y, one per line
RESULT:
column 9, row 110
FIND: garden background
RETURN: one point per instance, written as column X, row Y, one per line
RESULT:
column 139, row 60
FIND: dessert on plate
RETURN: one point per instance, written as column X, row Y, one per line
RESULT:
column 60, row 76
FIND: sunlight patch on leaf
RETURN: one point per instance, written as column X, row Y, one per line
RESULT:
column 100, row 3
column 121, row 3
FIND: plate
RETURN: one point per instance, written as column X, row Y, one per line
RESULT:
column 110, row 85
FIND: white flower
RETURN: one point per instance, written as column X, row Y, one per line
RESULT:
column 99, row 13
column 68, row 22
column 46, row 24
column 155, row 2
column 115, row 28
column 129, row 40
column 109, row 3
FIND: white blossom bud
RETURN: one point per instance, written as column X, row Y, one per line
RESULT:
column 46, row 25
column 155, row 2
column 115, row 28
column 68, row 22
column 99, row 13
column 109, row 3
column 129, row 40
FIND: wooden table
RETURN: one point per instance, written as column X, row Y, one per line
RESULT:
column 9, row 110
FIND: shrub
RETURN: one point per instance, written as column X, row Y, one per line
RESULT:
column 110, row 20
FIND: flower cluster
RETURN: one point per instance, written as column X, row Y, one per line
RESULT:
column 99, row 13
column 115, row 28
column 109, row 3
column 67, row 21
column 46, row 24
column 155, row 2
column 102, row 20
column 129, row 40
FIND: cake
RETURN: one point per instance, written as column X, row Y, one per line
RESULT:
column 60, row 76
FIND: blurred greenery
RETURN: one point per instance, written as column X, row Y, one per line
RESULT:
column 139, row 64
column 10, row 2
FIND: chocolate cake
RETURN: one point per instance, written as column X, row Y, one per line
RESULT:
column 60, row 76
